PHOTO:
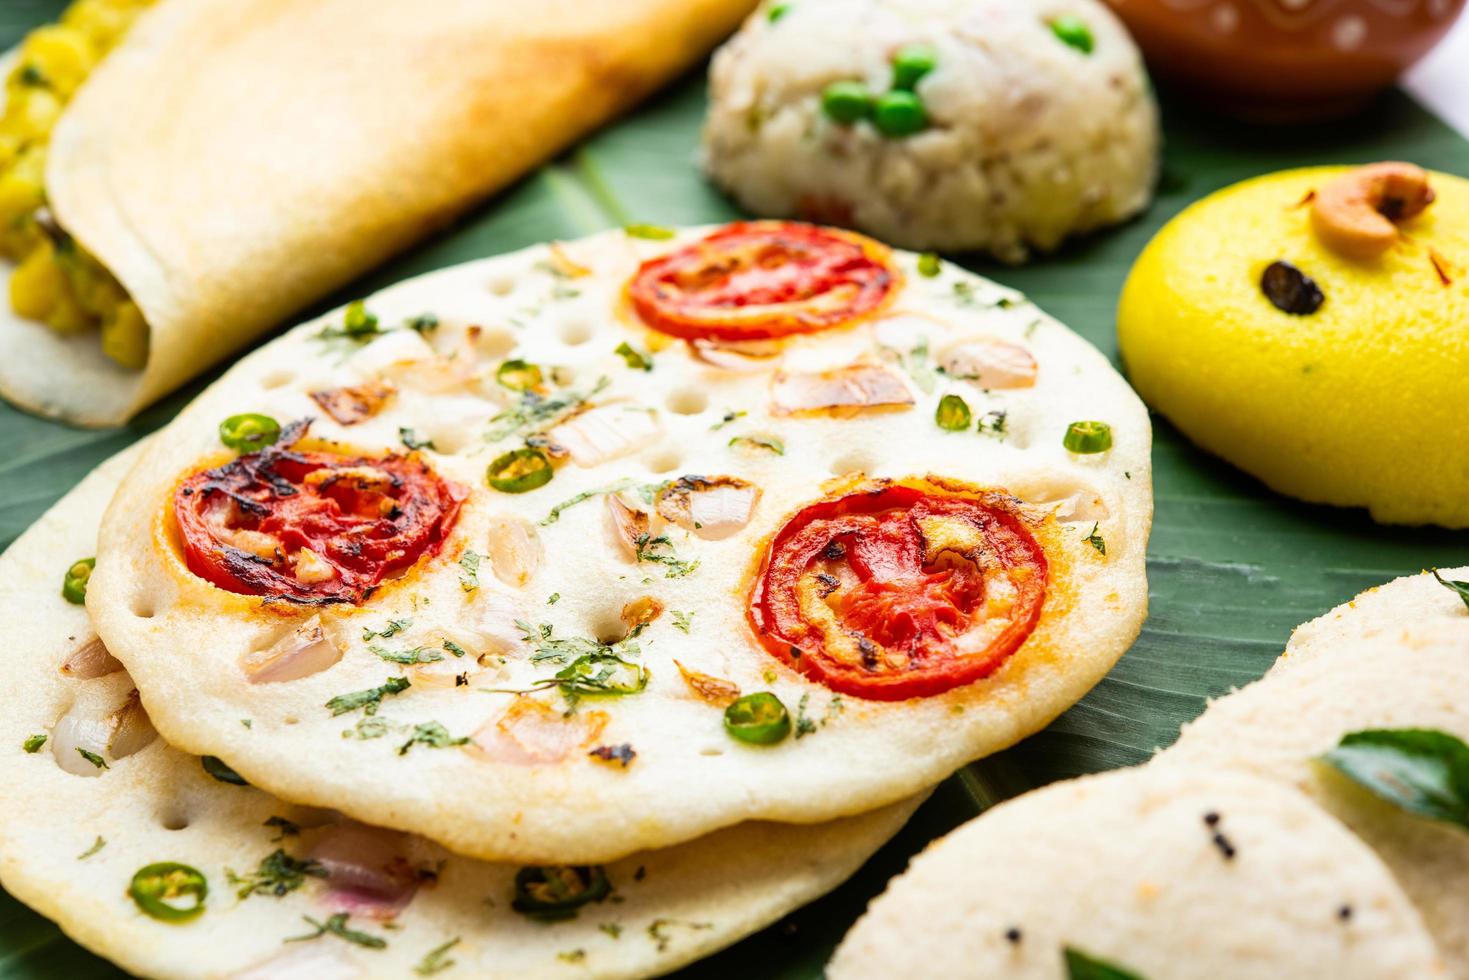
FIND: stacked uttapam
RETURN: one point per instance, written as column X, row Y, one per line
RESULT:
column 1313, row 824
column 663, row 563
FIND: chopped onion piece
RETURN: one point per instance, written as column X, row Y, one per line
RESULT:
column 532, row 733
column 990, row 363
column 515, row 550
column 368, row 872
column 629, row 525
column 714, row 690
column 854, row 387
column 601, row 434
column 300, row 653
column 745, row 358
column 90, row 660
column 107, row 736
column 354, row 403
column 710, row 507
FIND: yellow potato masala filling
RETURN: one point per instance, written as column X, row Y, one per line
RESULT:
column 55, row 280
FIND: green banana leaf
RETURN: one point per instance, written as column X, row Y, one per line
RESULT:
column 1232, row 567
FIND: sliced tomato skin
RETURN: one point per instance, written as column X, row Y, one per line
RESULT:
column 364, row 531
column 893, row 602
column 756, row 280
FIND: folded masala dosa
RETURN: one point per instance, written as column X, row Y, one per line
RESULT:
column 230, row 160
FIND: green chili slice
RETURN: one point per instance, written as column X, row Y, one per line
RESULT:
column 759, row 719
column 74, row 582
column 250, row 432
column 1086, row 438
column 555, row 892
column 518, row 375
column 953, row 414
column 1072, row 30
column 519, row 471
column 158, row 887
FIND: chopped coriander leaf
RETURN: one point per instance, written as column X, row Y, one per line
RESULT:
column 436, row 960
column 993, row 423
column 612, row 929
column 553, row 598
column 285, row 828
column 656, row 233
column 572, row 955
column 1461, row 589
column 368, row 728
column 469, row 580
column 369, row 699
column 32, row 77
column 431, row 734
column 423, row 323
column 157, row 888
column 337, row 926
column 358, row 324
column 555, row 513
column 93, row 758
column 97, row 845
column 564, row 651
column 621, row 755
column 917, row 364
column 216, row 767
column 279, row 874
column 682, row 621
column 556, row 892
column 393, row 628
column 1080, row 966
column 633, row 357
column 658, row 930
column 536, row 411
column 730, row 416
column 1419, row 770
column 417, row 655
column 413, row 440
column 804, row 724
column 34, row 743
column 599, row 674
column 660, row 551
column 929, row 265
column 755, row 444
column 1095, row 540
column 454, row 648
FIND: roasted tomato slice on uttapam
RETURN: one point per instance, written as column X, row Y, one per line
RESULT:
column 312, row 527
column 756, row 280
column 899, row 591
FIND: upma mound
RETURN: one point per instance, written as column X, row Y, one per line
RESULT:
column 936, row 124
column 1354, row 398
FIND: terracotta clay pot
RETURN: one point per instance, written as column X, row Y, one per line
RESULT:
column 1285, row 59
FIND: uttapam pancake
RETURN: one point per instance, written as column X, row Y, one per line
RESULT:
column 1405, row 609
column 74, row 833
column 1279, row 726
column 1179, row 874
column 557, row 510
